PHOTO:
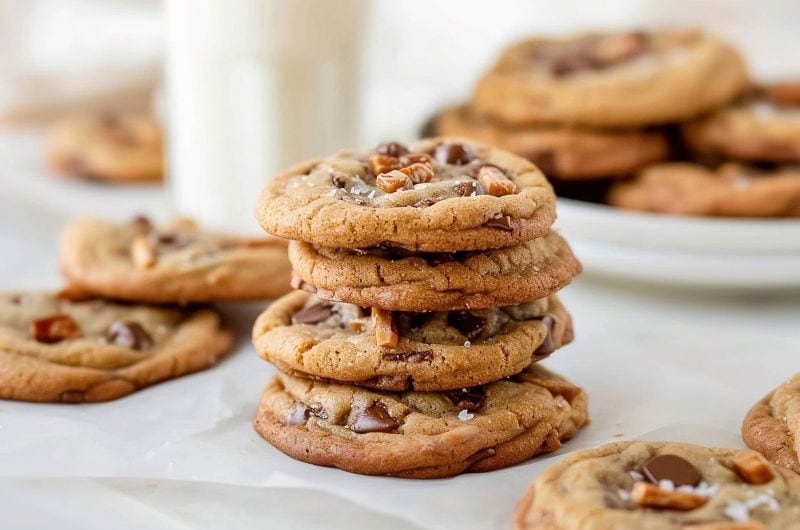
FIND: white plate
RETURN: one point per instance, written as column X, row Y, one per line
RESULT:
column 742, row 253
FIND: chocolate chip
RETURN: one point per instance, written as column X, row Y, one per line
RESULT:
column 55, row 328
column 434, row 259
column 394, row 149
column 72, row 396
column 338, row 180
column 410, row 357
column 129, row 335
column 465, row 189
column 142, row 225
column 456, row 154
column 471, row 399
column 677, row 470
column 314, row 314
column 300, row 414
column 375, row 418
column 547, row 346
column 501, row 223
column 466, row 323
column 483, row 454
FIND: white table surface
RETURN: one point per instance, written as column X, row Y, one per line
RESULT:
column 656, row 363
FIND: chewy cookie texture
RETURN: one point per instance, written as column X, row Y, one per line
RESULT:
column 772, row 426
column 427, row 278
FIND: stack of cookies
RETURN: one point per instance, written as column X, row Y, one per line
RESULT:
column 426, row 279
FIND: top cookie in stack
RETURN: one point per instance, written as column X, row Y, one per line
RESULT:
column 433, row 271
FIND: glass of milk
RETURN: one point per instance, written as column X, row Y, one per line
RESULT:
column 254, row 86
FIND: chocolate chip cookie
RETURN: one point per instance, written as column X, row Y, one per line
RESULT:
column 421, row 434
column 731, row 190
column 399, row 280
column 764, row 127
column 175, row 263
column 438, row 195
column 312, row 338
column 661, row 486
column 72, row 351
column 566, row 153
column 772, row 426
column 611, row 80
column 108, row 147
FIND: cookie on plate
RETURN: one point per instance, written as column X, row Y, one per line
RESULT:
column 312, row 338
column 566, row 153
column 772, row 427
column 399, row 280
column 418, row 434
column 178, row 263
column 661, row 486
column 611, row 80
column 731, row 190
column 764, row 127
column 438, row 195
column 72, row 351
column 108, row 147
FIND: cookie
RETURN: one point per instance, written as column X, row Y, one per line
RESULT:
column 611, row 80
column 418, row 434
column 73, row 351
column 399, row 280
column 438, row 195
column 179, row 263
column 308, row 337
column 566, row 153
column 108, row 147
column 732, row 190
column 772, row 427
column 661, row 486
column 764, row 127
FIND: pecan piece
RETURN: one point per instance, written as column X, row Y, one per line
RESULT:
column 385, row 331
column 418, row 172
column 382, row 164
column 392, row 181
column 651, row 496
column 753, row 468
column 55, row 328
column 495, row 182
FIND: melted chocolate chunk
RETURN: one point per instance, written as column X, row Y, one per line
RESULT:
column 455, row 154
column 501, row 223
column 375, row 418
column 129, row 335
column 300, row 414
column 338, row 180
column 547, row 346
column 483, row 454
column 466, row 323
column 394, row 149
column 471, row 399
column 677, row 470
column 410, row 356
column 55, row 328
column 314, row 314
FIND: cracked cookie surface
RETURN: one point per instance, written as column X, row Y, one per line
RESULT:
column 58, row 350
column 772, row 427
column 419, row 434
column 437, row 195
column 660, row 486
column 177, row 263
column 304, row 336
column 398, row 280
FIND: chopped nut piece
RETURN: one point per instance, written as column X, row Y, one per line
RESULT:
column 392, row 181
column 143, row 253
column 382, row 164
column 725, row 525
column 418, row 172
column 753, row 468
column 650, row 495
column 55, row 328
column 385, row 331
column 495, row 182
column 418, row 157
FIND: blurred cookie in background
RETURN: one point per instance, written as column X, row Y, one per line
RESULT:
column 109, row 147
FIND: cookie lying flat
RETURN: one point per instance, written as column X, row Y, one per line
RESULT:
column 179, row 263
column 109, row 147
column 399, row 280
column 58, row 350
column 566, row 153
column 661, row 486
column 611, row 80
column 304, row 336
column 772, row 426
column 438, row 195
column 421, row 435
column 762, row 128
column 732, row 190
